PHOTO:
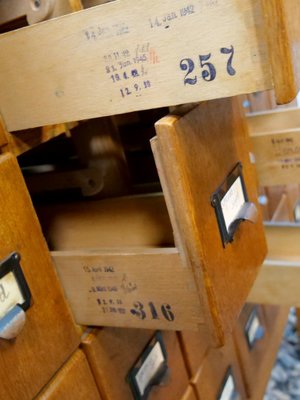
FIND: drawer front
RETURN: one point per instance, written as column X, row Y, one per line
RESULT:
column 206, row 197
column 116, row 355
column 252, row 339
column 238, row 60
column 49, row 336
column 220, row 377
column 194, row 346
column 73, row 381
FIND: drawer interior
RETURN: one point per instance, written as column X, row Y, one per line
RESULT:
column 130, row 221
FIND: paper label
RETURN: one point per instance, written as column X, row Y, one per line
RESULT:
column 232, row 202
column 10, row 294
column 255, row 324
column 229, row 389
column 149, row 368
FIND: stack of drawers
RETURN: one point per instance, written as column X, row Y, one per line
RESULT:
column 178, row 262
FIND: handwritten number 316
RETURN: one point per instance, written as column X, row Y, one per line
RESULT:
column 209, row 71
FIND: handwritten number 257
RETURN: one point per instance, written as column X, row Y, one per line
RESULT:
column 209, row 71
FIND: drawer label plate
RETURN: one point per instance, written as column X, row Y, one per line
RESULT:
column 228, row 390
column 228, row 201
column 13, row 286
column 150, row 369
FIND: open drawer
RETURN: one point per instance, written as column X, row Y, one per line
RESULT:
column 116, row 61
column 118, row 260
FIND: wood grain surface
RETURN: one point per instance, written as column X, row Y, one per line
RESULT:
column 113, row 352
column 276, row 318
column 278, row 281
column 49, row 335
column 130, row 221
column 211, row 375
column 195, row 346
column 217, row 131
column 190, row 394
column 266, row 122
column 156, row 46
column 74, row 381
column 277, row 156
column 252, row 360
column 283, row 33
column 118, row 287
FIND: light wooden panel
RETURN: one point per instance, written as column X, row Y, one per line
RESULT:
column 283, row 31
column 115, row 288
column 283, row 240
column 131, row 221
column 278, row 283
column 279, row 279
column 267, row 122
column 69, row 62
column 73, row 381
column 277, row 156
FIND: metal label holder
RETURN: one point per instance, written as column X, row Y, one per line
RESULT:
column 160, row 374
column 13, row 321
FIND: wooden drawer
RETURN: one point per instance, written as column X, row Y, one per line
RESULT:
column 112, row 353
column 104, row 250
column 219, row 374
column 276, row 320
column 252, row 342
column 245, row 57
column 194, row 345
column 49, row 336
column 73, row 381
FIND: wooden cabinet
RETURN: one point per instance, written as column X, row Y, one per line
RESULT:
column 195, row 345
column 112, row 353
column 74, row 381
column 49, row 336
column 256, row 360
column 219, row 374
column 252, row 338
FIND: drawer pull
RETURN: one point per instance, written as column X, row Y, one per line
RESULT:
column 248, row 212
column 12, row 324
column 232, row 205
column 15, row 297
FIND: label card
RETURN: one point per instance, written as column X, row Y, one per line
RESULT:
column 232, row 202
column 150, row 369
column 13, row 286
column 253, row 329
column 228, row 201
column 228, row 390
column 10, row 294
